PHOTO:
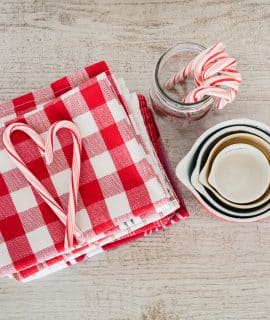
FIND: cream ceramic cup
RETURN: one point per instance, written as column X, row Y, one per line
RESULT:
column 185, row 169
column 240, row 173
column 250, row 138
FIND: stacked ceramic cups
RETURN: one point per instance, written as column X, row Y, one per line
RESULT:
column 228, row 170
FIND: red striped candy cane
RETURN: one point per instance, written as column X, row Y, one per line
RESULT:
column 199, row 93
column 218, row 66
column 212, row 68
column 75, row 169
column 47, row 148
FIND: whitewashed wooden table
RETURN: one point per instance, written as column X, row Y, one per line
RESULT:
column 202, row 268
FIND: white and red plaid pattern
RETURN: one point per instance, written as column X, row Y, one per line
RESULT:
column 120, row 195
column 64, row 261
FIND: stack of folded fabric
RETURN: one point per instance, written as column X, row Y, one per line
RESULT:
column 106, row 182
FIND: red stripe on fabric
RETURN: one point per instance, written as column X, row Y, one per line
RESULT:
column 60, row 247
column 76, row 251
column 112, row 136
column 91, row 193
column 54, row 260
column 130, row 177
column 28, row 272
column 93, row 100
column 95, row 205
column 3, row 190
column 97, row 68
column 38, row 169
column 102, row 227
column 145, row 209
column 23, row 263
column 56, row 112
column 81, row 258
column 61, row 86
column 154, row 135
column 47, row 213
column 8, row 232
column 24, row 103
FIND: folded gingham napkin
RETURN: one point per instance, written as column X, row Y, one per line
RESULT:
column 124, row 192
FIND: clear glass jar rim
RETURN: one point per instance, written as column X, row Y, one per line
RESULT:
column 162, row 92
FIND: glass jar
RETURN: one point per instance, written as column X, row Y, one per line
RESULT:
column 168, row 103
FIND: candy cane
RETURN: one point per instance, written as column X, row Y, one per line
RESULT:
column 47, row 148
column 212, row 68
column 75, row 176
column 227, row 92
column 232, row 72
column 199, row 93
column 202, row 59
column 218, row 66
column 177, row 78
column 222, row 80
column 197, row 61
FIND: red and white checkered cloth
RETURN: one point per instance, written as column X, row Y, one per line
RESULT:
column 124, row 192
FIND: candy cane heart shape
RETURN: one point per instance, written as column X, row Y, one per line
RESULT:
column 47, row 149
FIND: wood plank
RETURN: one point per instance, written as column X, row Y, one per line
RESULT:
column 202, row 268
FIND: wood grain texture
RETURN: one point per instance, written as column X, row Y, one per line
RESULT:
column 202, row 268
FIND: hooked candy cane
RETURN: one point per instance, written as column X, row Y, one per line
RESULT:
column 187, row 71
column 212, row 68
column 47, row 148
column 75, row 169
column 204, row 58
column 218, row 66
column 232, row 72
column 222, row 80
column 198, row 93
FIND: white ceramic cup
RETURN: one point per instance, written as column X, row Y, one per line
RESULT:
column 240, row 173
column 185, row 168
column 199, row 177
